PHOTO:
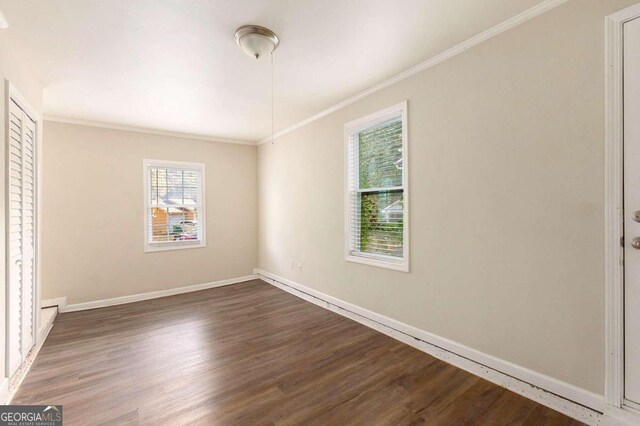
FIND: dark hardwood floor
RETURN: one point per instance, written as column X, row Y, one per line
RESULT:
column 252, row 354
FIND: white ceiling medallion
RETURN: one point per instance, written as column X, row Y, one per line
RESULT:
column 256, row 41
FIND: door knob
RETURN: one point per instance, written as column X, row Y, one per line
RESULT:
column 18, row 262
column 636, row 216
column 635, row 243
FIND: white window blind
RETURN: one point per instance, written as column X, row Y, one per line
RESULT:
column 377, row 226
column 174, row 204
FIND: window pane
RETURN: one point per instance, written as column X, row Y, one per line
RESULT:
column 380, row 155
column 191, row 178
column 381, row 223
column 190, row 195
column 153, row 188
column 173, row 187
column 173, row 224
column 159, row 229
column 159, row 185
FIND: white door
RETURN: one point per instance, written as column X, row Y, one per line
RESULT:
column 632, row 211
column 21, row 235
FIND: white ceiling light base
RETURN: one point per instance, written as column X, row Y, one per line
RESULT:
column 256, row 41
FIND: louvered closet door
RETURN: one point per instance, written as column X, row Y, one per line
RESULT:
column 22, row 135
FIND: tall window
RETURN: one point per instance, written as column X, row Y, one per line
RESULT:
column 376, row 195
column 174, row 205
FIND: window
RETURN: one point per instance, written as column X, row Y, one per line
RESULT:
column 174, row 205
column 376, row 192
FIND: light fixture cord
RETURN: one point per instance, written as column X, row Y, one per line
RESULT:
column 272, row 95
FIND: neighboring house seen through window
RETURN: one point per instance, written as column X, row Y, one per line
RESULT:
column 376, row 195
column 174, row 204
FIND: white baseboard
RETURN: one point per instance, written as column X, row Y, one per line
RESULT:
column 6, row 394
column 571, row 400
column 60, row 302
column 152, row 294
column 44, row 329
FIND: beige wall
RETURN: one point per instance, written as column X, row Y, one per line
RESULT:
column 14, row 69
column 506, row 187
column 93, row 224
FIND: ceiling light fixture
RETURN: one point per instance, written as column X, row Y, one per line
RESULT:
column 257, row 41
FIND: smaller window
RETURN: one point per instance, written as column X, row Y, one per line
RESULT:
column 377, row 231
column 174, row 205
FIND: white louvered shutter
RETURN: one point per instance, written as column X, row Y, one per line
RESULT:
column 21, row 152
column 28, row 217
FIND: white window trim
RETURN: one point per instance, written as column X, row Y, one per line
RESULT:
column 153, row 247
column 378, row 260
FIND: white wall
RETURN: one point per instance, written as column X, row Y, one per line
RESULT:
column 93, row 223
column 16, row 70
column 507, row 241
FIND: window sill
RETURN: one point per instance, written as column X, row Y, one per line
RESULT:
column 152, row 247
column 399, row 265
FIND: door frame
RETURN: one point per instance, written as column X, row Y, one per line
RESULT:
column 614, row 205
column 12, row 93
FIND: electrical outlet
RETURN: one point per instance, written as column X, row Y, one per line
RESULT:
column 299, row 266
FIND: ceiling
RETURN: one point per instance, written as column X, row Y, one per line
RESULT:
column 173, row 65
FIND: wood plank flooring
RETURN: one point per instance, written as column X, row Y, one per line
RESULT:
column 252, row 354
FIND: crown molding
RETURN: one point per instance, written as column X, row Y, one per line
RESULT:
column 441, row 57
column 146, row 130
